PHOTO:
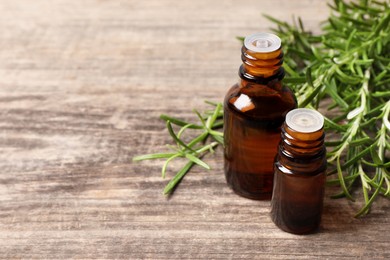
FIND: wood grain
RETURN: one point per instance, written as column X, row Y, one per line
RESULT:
column 82, row 84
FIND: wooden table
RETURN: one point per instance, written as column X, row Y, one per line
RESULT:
column 82, row 84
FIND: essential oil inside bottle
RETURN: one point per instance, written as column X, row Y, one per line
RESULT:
column 300, row 166
column 254, row 110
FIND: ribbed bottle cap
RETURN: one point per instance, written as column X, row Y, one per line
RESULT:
column 262, row 42
column 304, row 120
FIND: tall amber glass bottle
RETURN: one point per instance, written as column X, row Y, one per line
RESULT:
column 300, row 167
column 254, row 110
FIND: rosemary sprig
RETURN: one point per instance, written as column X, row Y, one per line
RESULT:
column 349, row 62
column 194, row 150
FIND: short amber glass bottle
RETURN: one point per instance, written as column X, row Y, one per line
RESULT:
column 254, row 110
column 300, row 167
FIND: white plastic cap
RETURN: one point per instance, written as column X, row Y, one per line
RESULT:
column 262, row 42
column 304, row 120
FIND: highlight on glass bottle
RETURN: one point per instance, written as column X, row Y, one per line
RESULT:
column 300, row 173
column 254, row 110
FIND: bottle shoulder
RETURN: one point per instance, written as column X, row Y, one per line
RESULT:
column 260, row 101
column 305, row 170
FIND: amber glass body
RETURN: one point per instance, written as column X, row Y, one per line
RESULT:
column 252, row 133
column 298, row 194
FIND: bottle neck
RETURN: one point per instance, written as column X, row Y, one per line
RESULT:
column 305, row 152
column 302, row 144
column 261, row 68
